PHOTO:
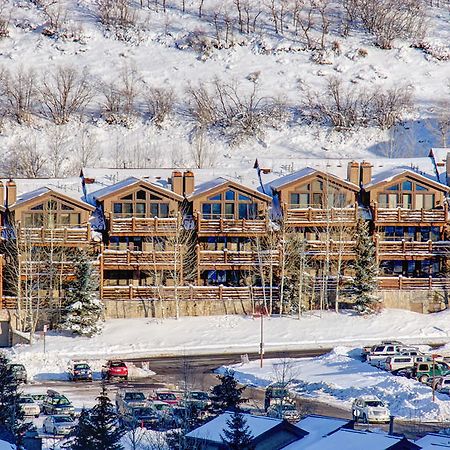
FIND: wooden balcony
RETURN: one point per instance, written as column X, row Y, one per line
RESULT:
column 236, row 260
column 301, row 217
column 411, row 250
column 134, row 260
column 410, row 284
column 231, row 227
column 401, row 216
column 334, row 249
column 35, row 269
column 145, row 226
column 189, row 293
column 71, row 237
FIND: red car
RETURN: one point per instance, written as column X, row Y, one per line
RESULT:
column 167, row 397
column 115, row 369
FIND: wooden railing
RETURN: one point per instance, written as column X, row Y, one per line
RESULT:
column 188, row 293
column 345, row 249
column 126, row 259
column 223, row 259
column 319, row 216
column 71, row 236
column 37, row 268
column 401, row 215
column 245, row 227
column 147, row 226
column 404, row 283
column 393, row 249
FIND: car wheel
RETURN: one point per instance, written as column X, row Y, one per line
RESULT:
column 36, row 416
column 424, row 378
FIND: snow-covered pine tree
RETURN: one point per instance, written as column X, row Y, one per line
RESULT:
column 238, row 435
column 11, row 414
column 82, row 308
column 364, row 283
column 227, row 395
column 98, row 428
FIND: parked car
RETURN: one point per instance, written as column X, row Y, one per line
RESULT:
column 143, row 417
column 130, row 399
column 378, row 357
column 370, row 349
column 198, row 399
column 39, row 399
column 57, row 404
column 80, row 372
column 286, row 411
column 166, row 397
column 369, row 409
column 424, row 371
column 29, row 406
column 19, row 372
column 442, row 384
column 58, row 424
column 115, row 370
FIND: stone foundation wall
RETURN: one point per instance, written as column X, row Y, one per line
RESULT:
column 416, row 301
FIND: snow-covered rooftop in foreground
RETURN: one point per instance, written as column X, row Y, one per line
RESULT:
column 213, row 430
column 434, row 442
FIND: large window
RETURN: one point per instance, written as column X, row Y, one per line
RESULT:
column 142, row 203
column 51, row 214
column 318, row 194
column 408, row 195
column 230, row 205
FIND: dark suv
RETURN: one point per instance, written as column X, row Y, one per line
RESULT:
column 80, row 372
column 19, row 372
column 57, row 404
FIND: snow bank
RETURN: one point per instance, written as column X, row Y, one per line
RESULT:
column 126, row 338
column 338, row 377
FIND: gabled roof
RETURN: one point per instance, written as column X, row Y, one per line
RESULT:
column 212, row 431
column 308, row 172
column 434, row 441
column 42, row 192
column 217, row 184
column 357, row 440
column 124, row 185
column 392, row 175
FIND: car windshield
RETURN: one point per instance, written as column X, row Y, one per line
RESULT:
column 62, row 419
column 117, row 364
column 199, row 395
column 374, row 403
column 62, row 401
column 134, row 396
column 81, row 367
column 167, row 396
column 26, row 400
column 143, row 412
column 446, row 382
column 18, row 368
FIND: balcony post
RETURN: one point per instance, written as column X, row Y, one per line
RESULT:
column 244, row 225
column 400, row 282
column 130, row 291
column 128, row 257
column 155, row 223
column 197, row 251
column 309, row 214
column 133, row 224
column 399, row 214
column 403, row 246
column 225, row 256
column 221, row 223
column 430, row 282
column 88, row 232
column 220, row 292
column 430, row 246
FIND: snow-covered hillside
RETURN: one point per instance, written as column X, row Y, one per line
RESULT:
column 176, row 49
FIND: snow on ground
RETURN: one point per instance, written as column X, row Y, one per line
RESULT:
column 339, row 377
column 122, row 338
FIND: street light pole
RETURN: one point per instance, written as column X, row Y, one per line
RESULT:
column 261, row 343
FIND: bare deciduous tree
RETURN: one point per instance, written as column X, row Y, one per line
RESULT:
column 116, row 13
column 390, row 105
column 201, row 150
column 20, row 91
column 56, row 14
column 5, row 18
column 65, row 92
column 160, row 104
column 24, row 159
column 58, row 151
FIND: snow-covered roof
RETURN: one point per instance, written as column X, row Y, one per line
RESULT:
column 434, row 441
column 318, row 427
column 306, row 171
column 28, row 196
column 108, row 190
column 211, row 185
column 352, row 440
column 7, row 446
column 213, row 430
column 391, row 174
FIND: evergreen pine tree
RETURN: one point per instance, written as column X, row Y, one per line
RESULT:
column 98, row 428
column 11, row 414
column 364, row 283
column 83, row 309
column 226, row 395
column 237, row 435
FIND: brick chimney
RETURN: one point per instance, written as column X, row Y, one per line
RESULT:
column 177, row 182
column 188, row 182
column 366, row 173
column 11, row 192
column 353, row 172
